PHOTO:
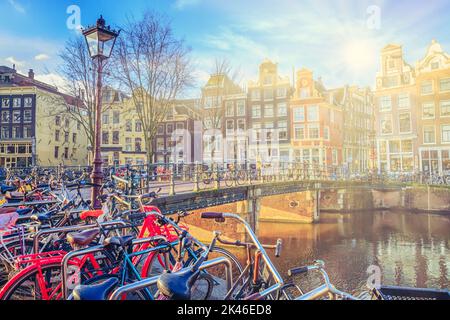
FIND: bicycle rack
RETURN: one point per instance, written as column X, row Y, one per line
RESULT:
column 95, row 249
column 117, row 295
column 70, row 229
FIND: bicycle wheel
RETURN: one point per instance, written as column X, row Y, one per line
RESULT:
column 38, row 283
column 218, row 273
column 241, row 178
column 9, row 253
column 229, row 179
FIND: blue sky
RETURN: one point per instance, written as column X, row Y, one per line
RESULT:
column 331, row 37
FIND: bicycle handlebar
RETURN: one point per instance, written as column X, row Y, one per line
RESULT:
column 212, row 215
column 278, row 248
column 296, row 271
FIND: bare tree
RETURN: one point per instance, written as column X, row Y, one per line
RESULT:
column 154, row 67
column 223, row 82
column 79, row 71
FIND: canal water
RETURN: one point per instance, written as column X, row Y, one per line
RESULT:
column 412, row 250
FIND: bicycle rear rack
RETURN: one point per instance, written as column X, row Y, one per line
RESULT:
column 40, row 257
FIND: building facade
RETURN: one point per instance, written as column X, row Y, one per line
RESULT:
column 359, row 148
column 35, row 127
column 317, row 118
column 396, row 113
column 433, row 92
column 123, row 139
column 269, row 115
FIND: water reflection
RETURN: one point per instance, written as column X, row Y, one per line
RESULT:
column 411, row 249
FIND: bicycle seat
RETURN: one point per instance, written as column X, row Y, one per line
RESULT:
column 95, row 292
column 82, row 238
column 177, row 286
column 25, row 211
column 119, row 241
column 91, row 214
column 4, row 188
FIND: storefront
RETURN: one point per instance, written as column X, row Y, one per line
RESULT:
column 16, row 155
column 435, row 160
column 396, row 155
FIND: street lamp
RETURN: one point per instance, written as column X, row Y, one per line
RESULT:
column 100, row 40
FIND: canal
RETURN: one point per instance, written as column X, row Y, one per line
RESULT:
column 411, row 249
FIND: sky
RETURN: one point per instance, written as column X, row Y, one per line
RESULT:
column 339, row 40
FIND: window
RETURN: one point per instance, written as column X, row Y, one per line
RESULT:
column 444, row 84
column 313, row 131
column 5, row 116
column 256, row 95
column 105, row 118
column 386, row 124
column 229, row 109
column 426, row 87
column 138, row 126
column 116, row 137
column 27, row 116
column 17, row 117
column 138, row 144
column 180, row 126
column 16, row 103
column 445, row 108
column 429, row 134
column 128, row 126
column 403, row 101
column 67, row 123
column 435, row 65
column 241, row 108
column 161, row 129
column 56, row 152
column 385, row 103
column 256, row 111
column 128, row 145
column 116, row 117
column 281, row 92
column 268, row 94
column 27, row 132
column 17, row 132
column 299, row 114
column 28, row 102
column 160, row 146
column 58, row 120
column 405, row 122
column 428, row 110
column 326, row 133
column 105, row 137
column 5, row 133
column 169, row 128
column 446, row 134
column 282, row 110
column 304, row 93
column 241, row 124
column 57, row 135
column 66, row 153
column 313, row 113
column 282, row 130
column 268, row 111
column 5, row 102
column 230, row 126
column 335, row 158
column 74, row 137
column 66, row 137
column 267, row 80
column 78, row 125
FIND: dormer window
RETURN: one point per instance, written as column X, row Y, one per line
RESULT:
column 435, row 65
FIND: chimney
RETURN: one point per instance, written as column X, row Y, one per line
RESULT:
column 31, row 74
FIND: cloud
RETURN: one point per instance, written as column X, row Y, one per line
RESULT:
column 17, row 6
column 12, row 60
column 53, row 79
column 181, row 4
column 41, row 57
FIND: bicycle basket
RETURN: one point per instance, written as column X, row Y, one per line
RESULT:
column 399, row 293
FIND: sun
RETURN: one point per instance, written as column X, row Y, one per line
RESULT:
column 359, row 55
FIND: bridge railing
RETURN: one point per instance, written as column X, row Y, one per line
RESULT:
column 176, row 178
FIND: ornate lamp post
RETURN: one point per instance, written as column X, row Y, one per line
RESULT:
column 100, row 40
